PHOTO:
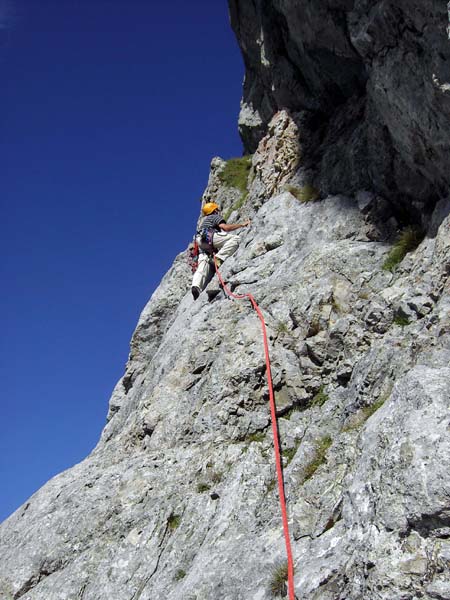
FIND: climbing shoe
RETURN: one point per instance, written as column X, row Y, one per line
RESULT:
column 195, row 292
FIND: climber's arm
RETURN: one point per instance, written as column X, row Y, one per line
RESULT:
column 233, row 226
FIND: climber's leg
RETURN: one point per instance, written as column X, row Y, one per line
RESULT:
column 225, row 244
column 200, row 278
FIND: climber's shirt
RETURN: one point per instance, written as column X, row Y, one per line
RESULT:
column 208, row 227
column 212, row 222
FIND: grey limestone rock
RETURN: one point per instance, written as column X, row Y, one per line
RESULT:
column 371, row 80
column 178, row 499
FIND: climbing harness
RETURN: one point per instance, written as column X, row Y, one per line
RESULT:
column 205, row 239
column 276, row 441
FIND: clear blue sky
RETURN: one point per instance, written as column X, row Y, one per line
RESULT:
column 111, row 111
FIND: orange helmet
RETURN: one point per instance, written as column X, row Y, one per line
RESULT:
column 209, row 208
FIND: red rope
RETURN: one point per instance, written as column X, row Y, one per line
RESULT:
column 276, row 442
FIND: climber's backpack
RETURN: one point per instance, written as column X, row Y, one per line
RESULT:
column 193, row 253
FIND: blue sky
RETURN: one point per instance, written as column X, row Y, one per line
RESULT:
column 110, row 113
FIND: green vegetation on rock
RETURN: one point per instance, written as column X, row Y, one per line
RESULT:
column 320, row 398
column 180, row 574
column 306, row 193
column 294, row 408
column 271, row 485
column 365, row 413
column 407, row 241
column 319, row 458
column 368, row 411
column 281, row 328
column 402, row 321
column 258, row 436
column 173, row 521
column 203, row 487
column 278, row 581
column 235, row 175
column 289, row 453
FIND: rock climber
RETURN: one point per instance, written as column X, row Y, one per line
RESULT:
column 213, row 236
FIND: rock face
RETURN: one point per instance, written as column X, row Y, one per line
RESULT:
column 372, row 81
column 178, row 500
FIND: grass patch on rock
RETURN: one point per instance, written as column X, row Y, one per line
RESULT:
column 289, row 453
column 235, row 175
column 401, row 320
column 278, row 581
column 293, row 409
column 365, row 413
column 407, row 241
column 202, row 487
column 180, row 574
column 281, row 328
column 319, row 457
column 320, row 397
column 258, row 436
column 173, row 521
column 368, row 411
column 305, row 193
column 271, row 485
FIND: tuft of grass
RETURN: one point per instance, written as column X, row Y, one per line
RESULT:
column 278, row 581
column 289, row 453
column 306, row 193
column 173, row 521
column 180, row 574
column 235, row 173
column 319, row 458
column 407, row 241
column 402, row 321
column 288, row 414
column 203, row 487
column 282, row 327
column 258, row 436
column 368, row 411
column 365, row 413
column 320, row 398
column 271, row 485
